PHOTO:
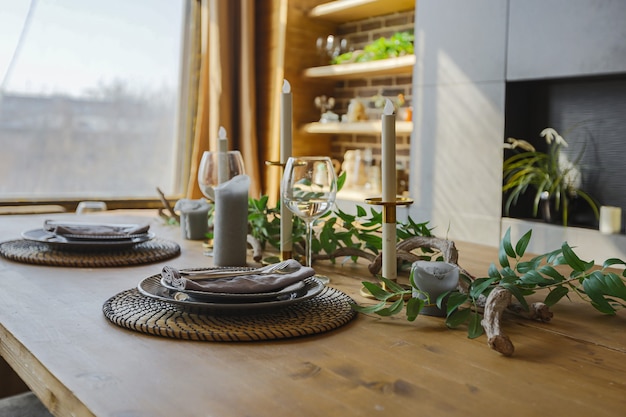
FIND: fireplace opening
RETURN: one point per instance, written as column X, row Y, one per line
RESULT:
column 590, row 114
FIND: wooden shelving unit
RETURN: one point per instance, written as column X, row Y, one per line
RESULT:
column 373, row 127
column 392, row 66
column 348, row 10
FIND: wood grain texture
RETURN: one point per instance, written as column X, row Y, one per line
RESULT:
column 54, row 335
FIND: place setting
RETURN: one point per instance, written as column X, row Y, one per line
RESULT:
column 277, row 301
column 89, row 244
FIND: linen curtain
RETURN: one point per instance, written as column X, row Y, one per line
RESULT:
column 241, row 70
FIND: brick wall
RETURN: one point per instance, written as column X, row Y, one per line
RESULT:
column 359, row 34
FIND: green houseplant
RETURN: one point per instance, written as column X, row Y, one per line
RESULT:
column 551, row 174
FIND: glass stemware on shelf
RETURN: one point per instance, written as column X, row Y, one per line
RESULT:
column 216, row 168
column 309, row 189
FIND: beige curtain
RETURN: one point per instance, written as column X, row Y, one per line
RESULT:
column 239, row 85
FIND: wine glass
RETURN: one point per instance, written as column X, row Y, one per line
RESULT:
column 216, row 168
column 309, row 189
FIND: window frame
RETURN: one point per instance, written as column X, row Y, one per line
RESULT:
column 187, row 108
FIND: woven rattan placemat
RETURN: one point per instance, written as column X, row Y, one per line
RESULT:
column 327, row 311
column 32, row 252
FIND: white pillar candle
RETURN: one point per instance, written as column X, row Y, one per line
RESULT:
column 222, row 159
column 610, row 220
column 388, row 165
column 286, row 216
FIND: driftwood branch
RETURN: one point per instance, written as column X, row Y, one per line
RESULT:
column 497, row 301
column 446, row 247
column 257, row 249
column 345, row 252
column 537, row 311
column 167, row 206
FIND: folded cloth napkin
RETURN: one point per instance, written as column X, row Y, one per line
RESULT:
column 95, row 229
column 244, row 284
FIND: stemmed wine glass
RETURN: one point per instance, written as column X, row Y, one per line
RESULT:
column 309, row 189
column 217, row 167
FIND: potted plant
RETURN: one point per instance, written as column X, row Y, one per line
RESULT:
column 554, row 178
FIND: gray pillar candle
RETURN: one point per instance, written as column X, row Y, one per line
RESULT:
column 194, row 218
column 230, row 225
column 434, row 278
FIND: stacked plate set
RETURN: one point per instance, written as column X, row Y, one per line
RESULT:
column 89, row 236
column 233, row 289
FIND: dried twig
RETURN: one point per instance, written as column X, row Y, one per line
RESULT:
column 257, row 250
column 404, row 248
column 537, row 311
column 167, row 206
column 497, row 301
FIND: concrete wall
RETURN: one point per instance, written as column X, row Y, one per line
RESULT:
column 459, row 89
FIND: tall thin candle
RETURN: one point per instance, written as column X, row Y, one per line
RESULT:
column 222, row 159
column 388, row 164
column 286, row 144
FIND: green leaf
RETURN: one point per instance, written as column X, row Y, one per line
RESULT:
column 413, row 308
column 534, row 277
column 594, row 288
column 347, row 218
column 441, row 298
column 360, row 211
column 613, row 261
column 502, row 257
column 573, row 260
column 377, row 291
column 517, row 293
column 493, row 271
column 522, row 244
column 458, row 317
column 474, row 328
column 508, row 273
column 551, row 256
column 455, row 300
column 615, row 286
column 480, row 285
column 392, row 286
column 341, row 180
column 506, row 244
column 555, row 295
column 524, row 267
column 395, row 308
column 368, row 309
column 552, row 273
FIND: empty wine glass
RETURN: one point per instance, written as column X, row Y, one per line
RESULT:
column 216, row 168
column 309, row 189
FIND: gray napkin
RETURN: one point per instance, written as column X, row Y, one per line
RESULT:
column 94, row 229
column 245, row 284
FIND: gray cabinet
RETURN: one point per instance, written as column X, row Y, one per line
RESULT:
column 565, row 38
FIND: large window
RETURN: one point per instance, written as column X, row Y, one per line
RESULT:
column 90, row 98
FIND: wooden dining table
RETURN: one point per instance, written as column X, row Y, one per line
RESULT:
column 54, row 334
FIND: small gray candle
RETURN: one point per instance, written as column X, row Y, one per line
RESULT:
column 194, row 221
column 434, row 278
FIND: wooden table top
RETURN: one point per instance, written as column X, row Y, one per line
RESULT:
column 55, row 336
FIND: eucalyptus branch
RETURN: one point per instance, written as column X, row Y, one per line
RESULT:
column 559, row 272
